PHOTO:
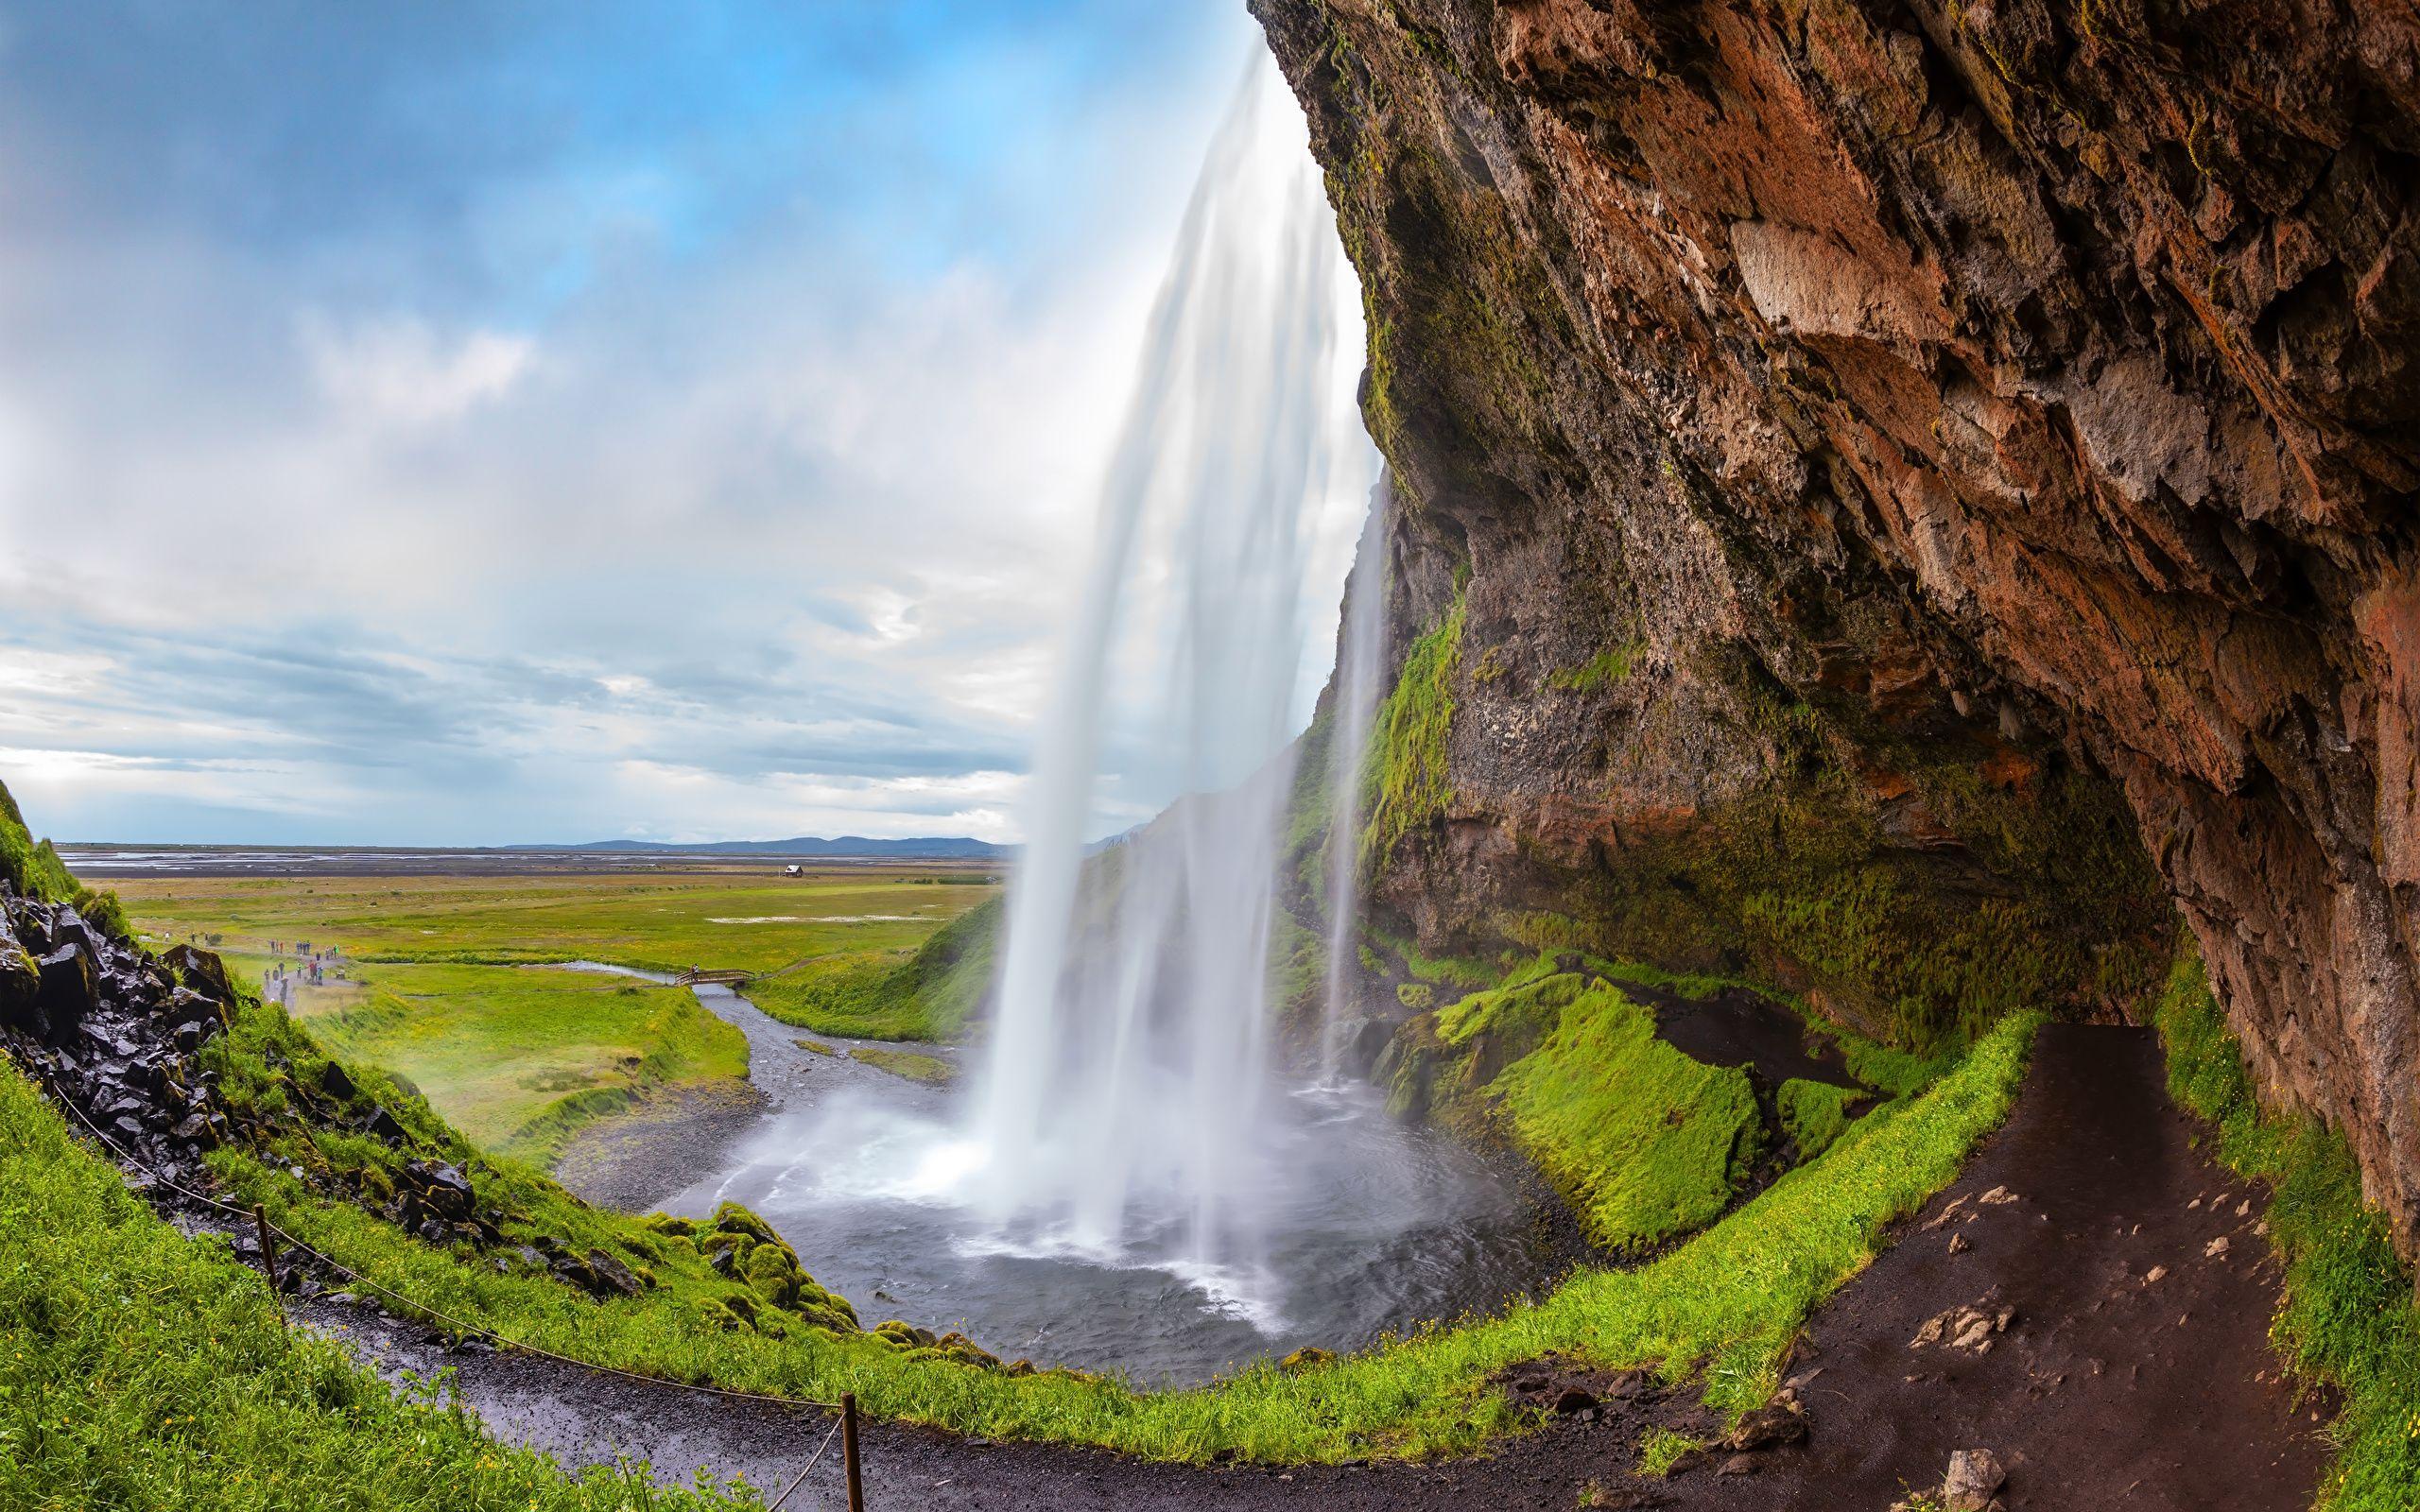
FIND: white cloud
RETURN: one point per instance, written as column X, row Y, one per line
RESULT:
column 399, row 371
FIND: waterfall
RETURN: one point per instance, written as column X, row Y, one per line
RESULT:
column 1359, row 649
column 1127, row 1059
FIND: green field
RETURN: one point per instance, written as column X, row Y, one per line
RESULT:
column 517, row 1058
column 664, row 922
column 441, row 982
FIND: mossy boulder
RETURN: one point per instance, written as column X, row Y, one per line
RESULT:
column 738, row 1243
column 731, row 1218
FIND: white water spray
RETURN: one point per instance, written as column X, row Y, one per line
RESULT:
column 1128, row 1061
column 1359, row 650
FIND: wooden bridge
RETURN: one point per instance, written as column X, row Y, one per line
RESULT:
column 700, row 976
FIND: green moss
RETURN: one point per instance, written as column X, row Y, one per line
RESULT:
column 911, row 1064
column 2348, row 1319
column 1648, row 1143
column 1814, row 1113
column 1416, row 996
column 1602, row 670
column 1408, row 784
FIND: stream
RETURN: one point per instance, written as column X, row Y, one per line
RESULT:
column 1370, row 1228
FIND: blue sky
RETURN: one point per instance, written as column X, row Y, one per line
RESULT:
column 471, row 423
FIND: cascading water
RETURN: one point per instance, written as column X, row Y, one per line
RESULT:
column 1129, row 1053
column 1123, row 1187
column 1359, row 648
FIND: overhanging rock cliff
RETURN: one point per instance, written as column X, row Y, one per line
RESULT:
column 1873, row 474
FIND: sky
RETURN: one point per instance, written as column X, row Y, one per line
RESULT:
column 463, row 423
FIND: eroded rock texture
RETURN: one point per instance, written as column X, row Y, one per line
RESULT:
column 1923, row 444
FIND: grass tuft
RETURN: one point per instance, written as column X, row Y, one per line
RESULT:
column 2348, row 1319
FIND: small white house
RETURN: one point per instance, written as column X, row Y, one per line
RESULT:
column 793, row 872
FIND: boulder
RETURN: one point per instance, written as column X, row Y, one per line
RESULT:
column 67, row 988
column 612, row 1275
column 1361, row 1043
column 201, row 971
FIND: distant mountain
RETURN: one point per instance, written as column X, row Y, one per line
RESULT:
column 924, row 847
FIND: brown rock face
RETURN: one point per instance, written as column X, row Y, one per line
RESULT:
column 1956, row 433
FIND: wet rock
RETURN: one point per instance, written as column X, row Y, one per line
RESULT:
column 381, row 1126
column 1362, row 1043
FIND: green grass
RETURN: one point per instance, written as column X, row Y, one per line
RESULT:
column 1724, row 1304
column 1646, row 1142
column 33, row 868
column 914, row 1065
column 1661, row 1448
column 1814, row 1113
column 2348, row 1319
column 518, row 1058
column 667, row 922
column 930, row 994
column 142, row 1370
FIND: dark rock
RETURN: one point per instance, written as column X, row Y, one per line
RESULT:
column 615, row 1276
column 1572, row 1400
column 67, row 988
column 1767, row 1427
column 20, row 981
column 381, row 1126
column 200, row 970
column 1737, row 1464
column 336, row 1084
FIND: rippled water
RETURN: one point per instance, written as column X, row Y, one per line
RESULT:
column 1368, row 1228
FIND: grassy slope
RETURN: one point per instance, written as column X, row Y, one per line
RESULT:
column 2348, row 1318
column 518, row 1058
column 140, row 1369
column 1646, row 1142
column 1727, row 1301
column 928, row 994
column 659, row 922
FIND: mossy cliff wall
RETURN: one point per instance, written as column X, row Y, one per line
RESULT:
column 1897, row 474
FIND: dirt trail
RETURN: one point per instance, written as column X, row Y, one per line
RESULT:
column 2104, row 1389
